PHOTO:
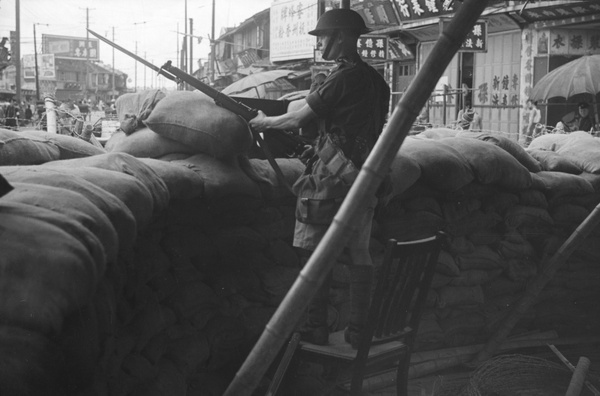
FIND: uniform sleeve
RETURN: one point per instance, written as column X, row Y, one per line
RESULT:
column 323, row 100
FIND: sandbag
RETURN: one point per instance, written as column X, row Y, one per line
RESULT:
column 442, row 167
column 593, row 179
column 132, row 192
column 446, row 264
column 500, row 202
column 460, row 245
column 80, row 233
column 551, row 161
column 222, row 177
column 126, row 164
column 404, row 172
column 533, row 198
column 117, row 212
column 146, row 143
column 490, row 163
column 583, row 151
column 549, row 142
column 473, row 222
column 456, row 210
column 520, row 215
column 17, row 149
column 264, row 175
column 512, row 249
column 181, row 181
column 134, row 108
column 438, row 133
column 510, row 146
column 68, row 146
column 71, row 204
column 474, row 277
column 451, row 296
column 484, row 236
column 194, row 119
column 557, row 184
column 568, row 214
column 482, row 258
column 521, row 269
column 46, row 273
column 31, row 363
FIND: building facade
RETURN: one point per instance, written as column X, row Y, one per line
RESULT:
column 515, row 44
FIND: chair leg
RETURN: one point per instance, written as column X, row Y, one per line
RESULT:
column 283, row 365
column 402, row 374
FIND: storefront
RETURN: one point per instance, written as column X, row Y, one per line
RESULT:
column 514, row 44
column 555, row 35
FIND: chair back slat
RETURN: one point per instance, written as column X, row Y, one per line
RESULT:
column 402, row 287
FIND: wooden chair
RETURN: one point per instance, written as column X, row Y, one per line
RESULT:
column 401, row 289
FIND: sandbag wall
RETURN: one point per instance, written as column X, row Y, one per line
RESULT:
column 505, row 213
column 151, row 267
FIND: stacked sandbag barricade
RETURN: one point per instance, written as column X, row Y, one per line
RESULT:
column 505, row 211
column 151, row 267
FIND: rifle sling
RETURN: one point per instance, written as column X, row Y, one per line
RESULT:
column 265, row 148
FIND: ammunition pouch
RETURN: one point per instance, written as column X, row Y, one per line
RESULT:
column 317, row 211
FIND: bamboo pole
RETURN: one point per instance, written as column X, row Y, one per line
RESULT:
column 578, row 378
column 538, row 284
column 566, row 362
column 371, row 174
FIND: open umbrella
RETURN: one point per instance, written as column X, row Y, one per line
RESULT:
column 254, row 85
column 579, row 76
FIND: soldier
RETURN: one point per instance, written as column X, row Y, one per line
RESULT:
column 350, row 108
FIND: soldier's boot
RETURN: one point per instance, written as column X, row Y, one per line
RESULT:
column 361, row 277
column 316, row 330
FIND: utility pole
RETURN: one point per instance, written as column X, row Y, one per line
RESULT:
column 35, row 55
column 113, row 65
column 87, row 51
column 135, row 73
column 212, row 44
column 345, row 3
column 184, row 57
column 191, row 46
column 16, row 52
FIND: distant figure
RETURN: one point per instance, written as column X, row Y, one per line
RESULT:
column 468, row 119
column 84, row 109
column 28, row 114
column 535, row 116
column 12, row 115
column 580, row 121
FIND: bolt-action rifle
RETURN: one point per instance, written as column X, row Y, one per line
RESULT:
column 295, row 143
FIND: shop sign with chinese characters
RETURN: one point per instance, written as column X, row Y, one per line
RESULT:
column 70, row 47
column 291, row 20
column 373, row 47
column 569, row 42
column 377, row 14
column 476, row 40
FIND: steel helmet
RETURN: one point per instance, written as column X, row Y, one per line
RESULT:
column 340, row 19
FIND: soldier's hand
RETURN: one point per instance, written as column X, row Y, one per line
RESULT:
column 259, row 122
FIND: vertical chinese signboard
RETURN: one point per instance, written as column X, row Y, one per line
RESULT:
column 373, row 47
column 291, row 20
column 476, row 40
